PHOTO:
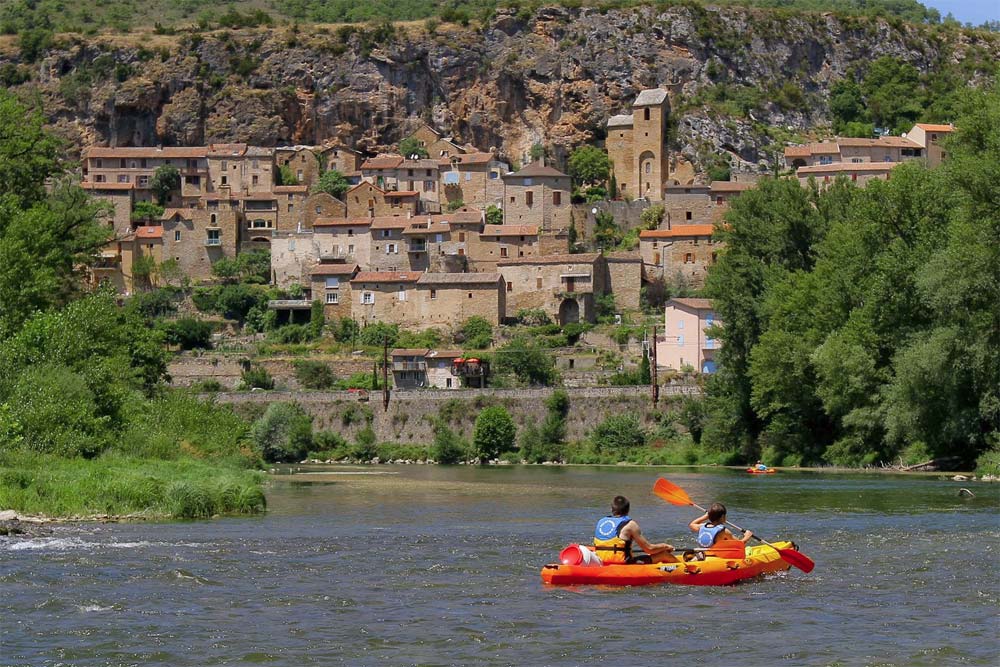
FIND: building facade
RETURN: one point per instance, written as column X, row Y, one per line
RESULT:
column 637, row 146
column 687, row 339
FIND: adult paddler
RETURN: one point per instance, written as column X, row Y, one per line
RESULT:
column 614, row 536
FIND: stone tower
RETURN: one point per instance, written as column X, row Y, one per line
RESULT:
column 637, row 146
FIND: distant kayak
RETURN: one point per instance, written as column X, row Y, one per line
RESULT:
column 712, row 571
column 755, row 471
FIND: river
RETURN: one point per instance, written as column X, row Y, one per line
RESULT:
column 425, row 565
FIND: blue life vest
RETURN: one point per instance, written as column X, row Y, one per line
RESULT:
column 609, row 527
column 608, row 543
column 707, row 534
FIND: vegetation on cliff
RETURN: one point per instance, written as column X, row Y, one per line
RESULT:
column 862, row 325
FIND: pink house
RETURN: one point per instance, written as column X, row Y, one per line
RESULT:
column 684, row 341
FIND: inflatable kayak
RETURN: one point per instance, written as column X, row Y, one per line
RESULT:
column 754, row 471
column 712, row 571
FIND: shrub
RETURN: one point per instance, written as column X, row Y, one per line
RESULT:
column 476, row 332
column 282, row 434
column 146, row 210
column 574, row 330
column 410, row 147
column 448, row 448
column 528, row 362
column 165, row 178
column 257, row 377
column 378, row 334
column 291, row 334
column 494, row 433
column 188, row 333
column 155, row 303
column 364, row 445
column 532, row 317
column 314, row 374
column 329, row 445
column 618, row 432
column 207, row 386
column 333, row 183
column 345, row 330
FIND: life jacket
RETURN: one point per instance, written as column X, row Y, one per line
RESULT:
column 707, row 534
column 608, row 544
column 761, row 466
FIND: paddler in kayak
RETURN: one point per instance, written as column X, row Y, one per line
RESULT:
column 711, row 527
column 760, row 466
column 614, row 536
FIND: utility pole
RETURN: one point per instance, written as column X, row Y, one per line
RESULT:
column 652, row 369
column 385, row 374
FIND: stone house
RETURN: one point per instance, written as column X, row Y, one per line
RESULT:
column 624, row 279
column 119, row 195
column 699, row 204
column 293, row 254
column 382, row 296
column 475, row 179
column 136, row 166
column 686, row 340
column 388, row 249
column 859, row 173
column 291, row 201
column 537, row 195
column 366, row 200
column 685, row 252
column 448, row 299
column 344, row 159
column 637, row 146
column 144, row 242
column 243, row 169
column 330, row 284
column 321, row 205
column 564, row 286
column 501, row 242
column 404, row 202
column 347, row 238
column 853, row 150
column 197, row 238
column 424, row 369
column 420, row 176
column 303, row 161
column 436, row 145
column 438, row 243
column 929, row 137
column 382, row 171
column 260, row 215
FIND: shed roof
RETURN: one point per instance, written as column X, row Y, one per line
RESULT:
column 386, row 277
column 621, row 120
column 650, row 97
column 149, row 232
column 459, row 279
column 540, row 170
column 692, row 302
column 333, row 269
column 145, row 151
column 582, row 258
column 680, row 231
column 382, row 162
column 391, row 222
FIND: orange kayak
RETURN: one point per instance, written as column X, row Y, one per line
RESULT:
column 712, row 571
column 754, row 471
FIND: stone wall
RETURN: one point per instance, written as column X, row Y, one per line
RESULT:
column 227, row 369
column 411, row 412
column 626, row 213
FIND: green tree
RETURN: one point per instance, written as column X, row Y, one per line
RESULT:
column 607, row 233
column 589, row 164
column 333, row 183
column 537, row 152
column 476, row 333
column 314, row 374
column 282, row 434
column 892, row 93
column 494, row 215
column 411, row 147
column 454, row 205
column 165, row 180
column 494, row 433
column 644, row 374
column 447, row 448
column 526, row 361
column 146, row 211
column 618, row 433
column 188, row 333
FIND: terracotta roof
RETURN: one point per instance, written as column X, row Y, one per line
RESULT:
column 342, row 222
column 691, row 302
column 824, row 148
column 730, row 186
column 420, row 163
column 386, row 277
column 87, row 185
column 149, row 232
column 145, row 151
column 623, row 256
column 680, row 231
column 364, row 184
column 464, row 217
column 391, row 222
column 847, row 167
column 797, row 151
column 510, row 230
column 399, row 194
column 468, row 158
column 931, row 127
column 582, row 258
column 621, row 120
column 445, row 354
column 171, row 212
column 333, row 270
column 290, row 188
column 419, row 227
column 226, row 150
column 459, row 279
column 382, row 162
column 881, row 142
column 409, row 352
column 539, row 169
column 650, row 97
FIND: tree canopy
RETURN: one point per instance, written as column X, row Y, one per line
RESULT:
column 333, row 183
column 589, row 164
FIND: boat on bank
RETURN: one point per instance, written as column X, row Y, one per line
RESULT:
column 687, row 568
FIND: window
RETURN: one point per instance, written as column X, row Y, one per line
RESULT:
column 99, row 178
column 825, row 159
column 255, row 164
column 213, row 237
column 434, row 294
column 224, row 165
column 319, row 209
column 645, row 114
column 510, row 287
column 367, row 298
column 350, row 249
column 99, row 164
column 291, row 245
column 538, row 283
column 687, row 215
column 688, row 258
column 718, row 200
column 528, row 181
column 177, row 235
column 144, row 181
column 225, row 180
column 680, row 340
column 856, row 160
column 350, row 232
column 192, row 180
column 298, row 175
column 470, row 295
column 386, row 233
column 649, row 167
column 391, row 249
column 255, row 179
column 529, row 198
column 211, row 219
column 512, row 200
column 123, row 178
column 503, row 251
column 461, row 236
column 694, row 241
column 290, row 207
column 259, row 224
column 121, row 163
column 680, row 324
column 557, row 199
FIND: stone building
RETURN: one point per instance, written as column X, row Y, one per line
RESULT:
column 348, row 238
column 424, row 369
column 344, row 159
column 475, row 179
column 322, row 206
column 330, row 284
column 859, row 173
column 501, row 242
column 624, row 279
column 197, row 238
column 382, row 171
column 382, row 296
column 388, row 249
column 929, row 137
column 537, row 195
column 684, row 252
column 243, row 169
column 302, row 161
column 686, row 340
column 448, row 299
column 436, row 145
column 564, row 286
column 366, row 200
column 637, row 146
column 853, row 150
column 136, row 166
column 293, row 254
column 699, row 204
column 119, row 195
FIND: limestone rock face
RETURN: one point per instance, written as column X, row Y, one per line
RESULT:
column 552, row 78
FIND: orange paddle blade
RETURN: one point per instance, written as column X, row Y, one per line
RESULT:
column 671, row 493
column 798, row 559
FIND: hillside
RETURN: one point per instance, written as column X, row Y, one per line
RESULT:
column 742, row 80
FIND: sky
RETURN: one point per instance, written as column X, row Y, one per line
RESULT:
column 968, row 11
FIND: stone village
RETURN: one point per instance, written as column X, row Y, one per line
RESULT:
column 430, row 240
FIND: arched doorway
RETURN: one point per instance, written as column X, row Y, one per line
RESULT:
column 798, row 162
column 569, row 312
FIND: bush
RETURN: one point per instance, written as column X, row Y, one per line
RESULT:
column 282, row 434
column 257, row 377
column 574, row 330
column 378, row 334
column 494, row 433
column 448, row 448
column 476, row 333
column 345, row 330
column 333, row 183
column 291, row 334
column 532, row 317
column 314, row 374
column 155, row 303
column 618, row 432
column 206, row 386
column 188, row 333
column 529, row 363
column 364, row 445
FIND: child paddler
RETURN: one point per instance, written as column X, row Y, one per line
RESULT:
column 614, row 536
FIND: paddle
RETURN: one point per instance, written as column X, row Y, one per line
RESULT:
column 675, row 495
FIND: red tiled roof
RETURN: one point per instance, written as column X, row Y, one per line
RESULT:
column 931, row 127
column 382, row 162
column 365, row 184
column 333, row 270
column 468, row 158
column 539, row 169
column 582, row 258
column 510, row 230
column 797, row 151
column 847, row 167
column 391, row 222
column 399, row 194
column 881, row 142
column 342, row 222
column 680, row 231
column 691, row 302
column 459, row 278
column 145, row 151
column 149, row 232
column 418, row 227
column 730, row 186
column 387, row 277
column 226, row 150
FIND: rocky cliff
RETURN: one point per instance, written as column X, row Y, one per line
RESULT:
column 551, row 77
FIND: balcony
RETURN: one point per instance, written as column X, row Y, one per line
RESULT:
column 418, row 247
column 213, row 243
column 409, row 366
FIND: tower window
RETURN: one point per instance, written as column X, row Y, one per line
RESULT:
column 645, row 114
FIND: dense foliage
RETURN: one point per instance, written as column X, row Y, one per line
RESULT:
column 494, row 433
column 862, row 325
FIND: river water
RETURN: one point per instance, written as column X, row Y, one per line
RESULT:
column 425, row 565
